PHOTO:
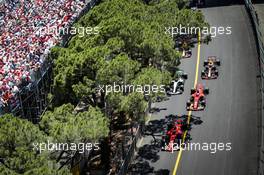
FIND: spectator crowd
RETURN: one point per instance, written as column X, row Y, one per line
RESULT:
column 25, row 42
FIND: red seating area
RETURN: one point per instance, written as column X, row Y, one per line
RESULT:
column 25, row 40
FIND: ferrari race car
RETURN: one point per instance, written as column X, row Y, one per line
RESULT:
column 173, row 135
column 210, row 68
column 197, row 101
column 177, row 86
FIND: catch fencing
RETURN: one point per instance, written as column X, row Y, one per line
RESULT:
column 131, row 151
column 254, row 18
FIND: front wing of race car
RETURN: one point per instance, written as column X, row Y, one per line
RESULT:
column 205, row 75
column 190, row 106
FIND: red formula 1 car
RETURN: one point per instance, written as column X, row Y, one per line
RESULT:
column 197, row 101
column 174, row 133
column 210, row 71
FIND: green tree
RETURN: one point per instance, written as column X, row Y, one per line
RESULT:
column 17, row 151
column 134, row 105
column 65, row 126
column 119, row 70
column 132, row 47
column 153, row 77
column 71, row 68
column 127, row 27
column 86, row 91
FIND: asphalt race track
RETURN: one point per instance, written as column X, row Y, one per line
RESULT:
column 232, row 112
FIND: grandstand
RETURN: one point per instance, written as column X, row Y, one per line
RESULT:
column 25, row 71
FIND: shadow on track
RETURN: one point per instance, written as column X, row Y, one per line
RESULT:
column 149, row 152
column 144, row 168
column 156, row 110
column 218, row 3
column 156, row 127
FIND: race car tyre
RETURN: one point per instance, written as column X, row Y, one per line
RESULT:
column 206, row 90
column 203, row 103
column 192, row 99
column 216, row 73
column 205, row 63
column 193, row 90
column 182, row 88
column 188, row 103
column 168, row 92
column 163, row 144
column 203, row 74
column 185, row 76
column 217, row 62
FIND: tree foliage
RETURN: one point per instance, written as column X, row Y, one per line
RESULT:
column 119, row 70
column 132, row 47
column 129, row 30
column 17, row 151
column 65, row 126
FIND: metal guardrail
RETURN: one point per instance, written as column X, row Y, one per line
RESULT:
column 260, row 45
column 131, row 151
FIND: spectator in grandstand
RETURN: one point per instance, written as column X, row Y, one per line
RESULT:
column 25, row 40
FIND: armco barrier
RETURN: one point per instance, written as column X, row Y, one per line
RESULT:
column 254, row 18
